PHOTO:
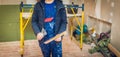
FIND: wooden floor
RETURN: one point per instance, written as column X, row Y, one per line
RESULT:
column 70, row 49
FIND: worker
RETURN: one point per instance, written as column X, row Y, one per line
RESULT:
column 48, row 20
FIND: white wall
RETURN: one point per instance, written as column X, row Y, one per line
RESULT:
column 98, row 9
column 31, row 1
column 110, row 12
column 98, row 13
column 115, row 26
column 66, row 1
column 70, row 2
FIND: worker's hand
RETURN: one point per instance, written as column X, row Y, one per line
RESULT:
column 40, row 36
column 58, row 39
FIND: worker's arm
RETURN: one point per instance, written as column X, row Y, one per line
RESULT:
column 39, row 31
column 34, row 22
column 63, row 24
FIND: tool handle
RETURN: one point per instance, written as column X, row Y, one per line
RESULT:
column 57, row 36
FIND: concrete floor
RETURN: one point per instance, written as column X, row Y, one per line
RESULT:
column 70, row 49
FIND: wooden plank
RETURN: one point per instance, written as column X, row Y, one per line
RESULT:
column 100, row 20
column 57, row 36
column 114, row 50
column 72, row 15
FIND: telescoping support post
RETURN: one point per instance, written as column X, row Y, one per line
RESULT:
column 23, row 26
column 82, row 23
column 21, row 31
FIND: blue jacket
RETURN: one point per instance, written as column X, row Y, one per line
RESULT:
column 39, row 16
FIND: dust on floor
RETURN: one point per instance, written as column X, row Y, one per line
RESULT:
column 70, row 49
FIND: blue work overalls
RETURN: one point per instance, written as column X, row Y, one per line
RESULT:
column 49, row 22
column 53, row 47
